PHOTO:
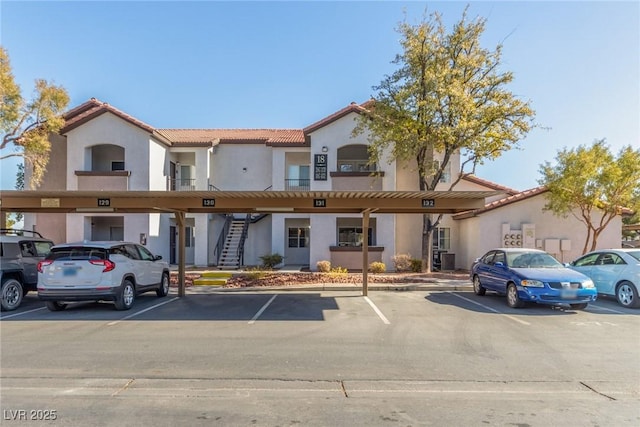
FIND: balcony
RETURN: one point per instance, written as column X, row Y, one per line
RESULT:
column 181, row 184
column 297, row 184
column 103, row 180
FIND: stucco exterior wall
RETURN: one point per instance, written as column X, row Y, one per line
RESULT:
column 484, row 232
column 241, row 167
column 109, row 129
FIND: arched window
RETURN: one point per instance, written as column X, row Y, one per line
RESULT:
column 354, row 158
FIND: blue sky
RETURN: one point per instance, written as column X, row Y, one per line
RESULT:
column 287, row 64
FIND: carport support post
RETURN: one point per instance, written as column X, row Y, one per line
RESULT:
column 365, row 252
column 180, row 220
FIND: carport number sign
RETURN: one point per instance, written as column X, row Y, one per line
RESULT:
column 428, row 203
column 208, row 203
column 319, row 203
column 104, row 202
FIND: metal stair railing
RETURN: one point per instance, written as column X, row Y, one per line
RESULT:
column 243, row 237
column 217, row 253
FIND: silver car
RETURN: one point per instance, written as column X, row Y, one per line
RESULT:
column 100, row 271
column 615, row 272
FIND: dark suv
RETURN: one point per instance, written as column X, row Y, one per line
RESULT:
column 20, row 252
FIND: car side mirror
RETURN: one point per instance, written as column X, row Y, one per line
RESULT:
column 158, row 257
column 500, row 264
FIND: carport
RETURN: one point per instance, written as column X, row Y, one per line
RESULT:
column 181, row 203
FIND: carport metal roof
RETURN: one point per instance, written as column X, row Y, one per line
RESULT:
column 181, row 203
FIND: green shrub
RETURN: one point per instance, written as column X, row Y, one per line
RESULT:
column 402, row 262
column 323, row 266
column 416, row 265
column 377, row 267
column 271, row 260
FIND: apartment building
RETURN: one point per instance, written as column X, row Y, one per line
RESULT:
column 102, row 148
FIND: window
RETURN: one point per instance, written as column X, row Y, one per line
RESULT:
column 117, row 166
column 145, row 254
column 298, row 177
column 446, row 172
column 352, row 236
column 354, row 158
column 188, row 237
column 442, row 239
column 298, row 237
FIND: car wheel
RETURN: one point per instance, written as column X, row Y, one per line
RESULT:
column 580, row 306
column 477, row 286
column 127, row 295
column 626, row 295
column 163, row 289
column 55, row 305
column 11, row 294
column 513, row 299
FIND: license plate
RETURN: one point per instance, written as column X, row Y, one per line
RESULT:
column 69, row 272
column 568, row 294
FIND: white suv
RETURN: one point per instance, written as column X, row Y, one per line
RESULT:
column 100, row 271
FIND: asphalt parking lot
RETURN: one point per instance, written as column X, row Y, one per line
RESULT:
column 321, row 357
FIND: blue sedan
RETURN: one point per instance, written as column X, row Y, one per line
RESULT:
column 531, row 275
column 615, row 272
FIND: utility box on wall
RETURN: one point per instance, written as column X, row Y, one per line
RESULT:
column 552, row 246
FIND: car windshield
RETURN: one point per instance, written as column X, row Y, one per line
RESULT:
column 635, row 254
column 532, row 260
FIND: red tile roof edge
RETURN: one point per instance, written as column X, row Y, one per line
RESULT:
column 480, row 181
column 523, row 195
column 351, row 108
column 94, row 108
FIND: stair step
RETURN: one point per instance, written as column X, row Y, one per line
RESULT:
column 216, row 275
column 209, row 282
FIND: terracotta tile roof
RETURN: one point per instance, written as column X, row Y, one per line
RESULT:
column 502, row 202
column 351, row 108
column 275, row 137
column 93, row 108
column 490, row 184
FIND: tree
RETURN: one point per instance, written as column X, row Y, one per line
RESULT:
column 590, row 180
column 27, row 125
column 447, row 97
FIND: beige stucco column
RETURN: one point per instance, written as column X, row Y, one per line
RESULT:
column 180, row 221
column 365, row 252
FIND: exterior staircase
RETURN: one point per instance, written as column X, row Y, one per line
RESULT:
column 229, row 257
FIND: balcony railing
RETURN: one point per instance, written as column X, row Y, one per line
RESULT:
column 297, row 184
column 181, row 184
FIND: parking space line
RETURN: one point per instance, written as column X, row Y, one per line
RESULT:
column 21, row 313
column 115, row 322
column 377, row 310
column 597, row 307
column 264, row 307
column 491, row 309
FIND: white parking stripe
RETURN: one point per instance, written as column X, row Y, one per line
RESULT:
column 597, row 307
column 491, row 309
column 378, row 312
column 115, row 322
column 264, row 307
column 21, row 313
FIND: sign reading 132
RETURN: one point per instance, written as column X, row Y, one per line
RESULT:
column 428, row 203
